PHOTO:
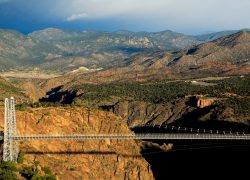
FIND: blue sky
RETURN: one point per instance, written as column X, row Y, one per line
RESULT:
column 186, row 16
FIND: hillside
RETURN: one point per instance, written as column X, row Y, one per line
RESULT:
column 225, row 56
column 14, row 49
column 163, row 102
column 216, row 35
column 88, row 159
column 7, row 89
column 57, row 50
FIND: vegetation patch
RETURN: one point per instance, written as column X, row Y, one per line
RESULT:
column 12, row 170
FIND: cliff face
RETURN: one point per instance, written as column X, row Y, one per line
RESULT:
column 81, row 159
column 138, row 113
column 188, row 111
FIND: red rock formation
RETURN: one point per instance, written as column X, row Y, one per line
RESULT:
column 203, row 102
column 82, row 159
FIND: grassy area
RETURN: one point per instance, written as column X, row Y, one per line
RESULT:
column 161, row 92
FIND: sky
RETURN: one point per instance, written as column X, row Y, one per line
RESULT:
column 185, row 16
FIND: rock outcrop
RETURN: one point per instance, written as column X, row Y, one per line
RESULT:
column 203, row 102
column 138, row 113
column 187, row 111
column 81, row 159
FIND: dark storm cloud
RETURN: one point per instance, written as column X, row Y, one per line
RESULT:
column 180, row 15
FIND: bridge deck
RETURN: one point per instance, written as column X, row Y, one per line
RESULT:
column 167, row 136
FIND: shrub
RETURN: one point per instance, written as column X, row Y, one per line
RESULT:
column 8, row 170
column 47, row 170
column 27, row 172
column 20, row 157
column 32, row 173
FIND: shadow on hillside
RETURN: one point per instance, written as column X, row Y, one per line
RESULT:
column 99, row 153
column 131, row 49
column 201, row 126
column 191, row 120
column 58, row 95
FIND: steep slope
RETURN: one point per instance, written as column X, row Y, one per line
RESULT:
column 172, row 41
column 14, row 49
column 58, row 50
column 50, row 34
column 190, row 102
column 216, row 35
column 225, row 56
column 81, row 159
column 7, row 89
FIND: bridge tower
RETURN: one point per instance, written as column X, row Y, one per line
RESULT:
column 10, row 147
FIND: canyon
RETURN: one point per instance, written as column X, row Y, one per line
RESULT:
column 197, row 82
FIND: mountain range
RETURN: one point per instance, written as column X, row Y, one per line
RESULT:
column 225, row 56
column 58, row 50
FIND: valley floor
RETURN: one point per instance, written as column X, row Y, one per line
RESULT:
column 28, row 75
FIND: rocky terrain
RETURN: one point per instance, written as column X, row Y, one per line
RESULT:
column 88, row 159
column 222, row 57
column 155, row 103
column 7, row 89
column 62, row 51
column 57, row 50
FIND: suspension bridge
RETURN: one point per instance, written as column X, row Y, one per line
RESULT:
column 11, row 138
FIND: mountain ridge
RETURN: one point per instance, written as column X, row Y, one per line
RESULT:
column 225, row 56
column 55, row 49
column 38, row 47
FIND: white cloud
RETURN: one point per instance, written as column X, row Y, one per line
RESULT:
column 165, row 13
column 76, row 17
column 110, row 8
